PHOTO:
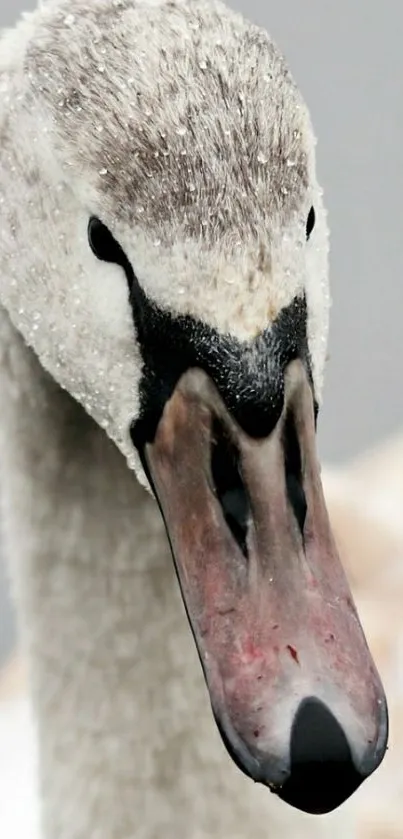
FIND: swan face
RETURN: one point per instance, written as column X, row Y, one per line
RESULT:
column 180, row 293
column 196, row 151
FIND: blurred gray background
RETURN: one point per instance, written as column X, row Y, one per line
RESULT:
column 348, row 60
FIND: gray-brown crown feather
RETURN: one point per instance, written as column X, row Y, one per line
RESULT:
column 182, row 115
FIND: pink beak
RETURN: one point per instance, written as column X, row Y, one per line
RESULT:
column 292, row 684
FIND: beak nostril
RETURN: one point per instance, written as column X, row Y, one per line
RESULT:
column 322, row 770
column 293, row 472
column 229, row 485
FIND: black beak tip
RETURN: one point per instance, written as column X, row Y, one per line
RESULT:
column 319, row 789
column 323, row 773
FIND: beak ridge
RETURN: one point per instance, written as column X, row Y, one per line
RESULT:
column 292, row 684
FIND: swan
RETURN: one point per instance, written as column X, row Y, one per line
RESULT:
column 164, row 314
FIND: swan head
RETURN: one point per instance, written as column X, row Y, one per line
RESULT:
column 168, row 265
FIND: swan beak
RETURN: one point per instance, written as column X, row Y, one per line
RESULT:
column 292, row 684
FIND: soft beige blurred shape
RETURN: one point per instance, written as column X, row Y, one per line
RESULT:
column 13, row 679
column 365, row 502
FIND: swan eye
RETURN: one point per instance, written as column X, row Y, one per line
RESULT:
column 102, row 243
column 310, row 222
